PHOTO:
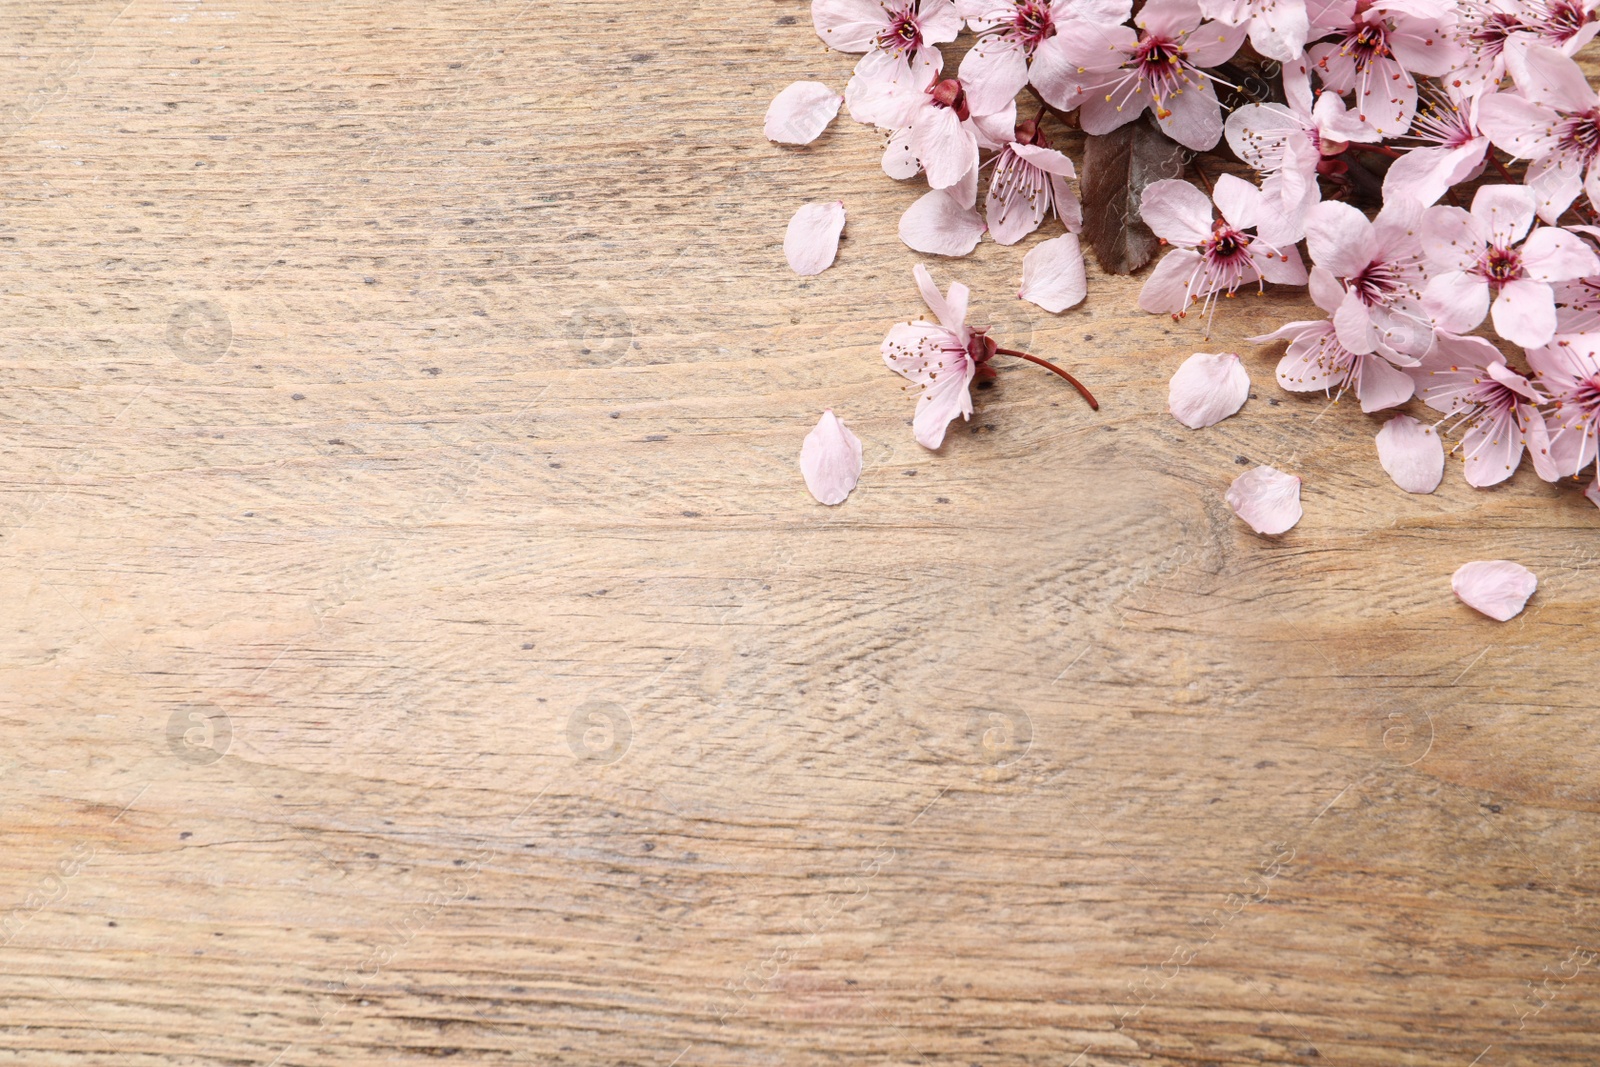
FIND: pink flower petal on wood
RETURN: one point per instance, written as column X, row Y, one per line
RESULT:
column 1053, row 275
column 1207, row 388
column 800, row 113
column 1496, row 587
column 939, row 225
column 830, row 460
column 1412, row 454
column 1267, row 499
column 813, row 237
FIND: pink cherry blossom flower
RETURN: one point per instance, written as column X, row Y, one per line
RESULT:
column 1278, row 29
column 1052, row 274
column 1267, row 499
column 899, row 39
column 939, row 133
column 1207, row 388
column 1029, row 180
column 1376, row 50
column 1317, row 360
column 1473, row 255
column 1566, row 25
column 1497, row 588
column 1554, row 123
column 1450, row 149
column 1377, row 264
column 830, row 460
column 1212, row 255
column 1411, row 453
column 812, row 240
column 1112, row 72
column 1010, row 31
column 1467, row 379
column 1569, row 371
column 943, row 357
column 800, row 113
column 1286, row 143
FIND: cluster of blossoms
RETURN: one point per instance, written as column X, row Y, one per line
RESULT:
column 1370, row 129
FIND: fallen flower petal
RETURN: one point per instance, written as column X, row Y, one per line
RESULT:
column 939, row 225
column 1496, row 587
column 1207, row 388
column 812, row 240
column 1411, row 453
column 1267, row 499
column 830, row 460
column 1053, row 275
column 800, row 113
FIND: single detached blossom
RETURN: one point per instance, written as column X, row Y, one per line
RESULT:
column 1316, row 360
column 1554, row 123
column 1278, row 28
column 1267, row 499
column 1030, row 179
column 1472, row 256
column 1467, row 379
column 1451, row 148
column 939, row 356
column 1376, row 50
column 1411, row 454
column 1569, row 371
column 812, row 240
column 944, row 357
column 800, row 113
column 1011, row 31
column 1496, row 587
column 1377, row 264
column 1207, row 388
column 1113, row 72
column 1212, row 255
column 830, row 460
column 899, row 39
column 1052, row 274
column 1286, row 143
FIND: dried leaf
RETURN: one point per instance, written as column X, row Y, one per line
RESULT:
column 1116, row 168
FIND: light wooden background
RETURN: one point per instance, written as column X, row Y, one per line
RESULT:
column 411, row 394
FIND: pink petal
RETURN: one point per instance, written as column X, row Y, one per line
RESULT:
column 1340, row 238
column 1166, row 291
column 1496, row 587
column 830, row 460
column 1451, row 239
column 1177, row 212
column 1194, row 117
column 1551, row 254
column 1382, row 385
column 848, row 25
column 939, row 225
column 1506, row 211
column 1525, row 313
column 943, row 399
column 1053, row 275
column 1207, row 388
column 800, row 113
column 813, row 237
column 1412, row 454
column 1267, row 499
column 944, row 145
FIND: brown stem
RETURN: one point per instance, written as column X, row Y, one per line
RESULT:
column 1376, row 149
column 1094, row 405
column 1501, row 167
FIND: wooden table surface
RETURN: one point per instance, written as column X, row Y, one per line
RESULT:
column 420, row 644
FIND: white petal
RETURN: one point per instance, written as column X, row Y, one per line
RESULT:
column 1496, row 587
column 1207, row 388
column 1412, row 454
column 813, row 237
column 800, row 113
column 830, row 460
column 1053, row 275
column 939, row 225
column 1267, row 499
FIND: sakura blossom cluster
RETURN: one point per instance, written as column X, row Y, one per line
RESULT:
column 1369, row 128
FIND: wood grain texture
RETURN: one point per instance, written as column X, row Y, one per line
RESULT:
column 421, row 644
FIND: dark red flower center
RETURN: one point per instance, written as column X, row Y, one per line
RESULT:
column 903, row 34
column 1160, row 62
column 1034, row 25
column 1369, row 43
column 1500, row 266
column 949, row 93
column 1579, row 135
